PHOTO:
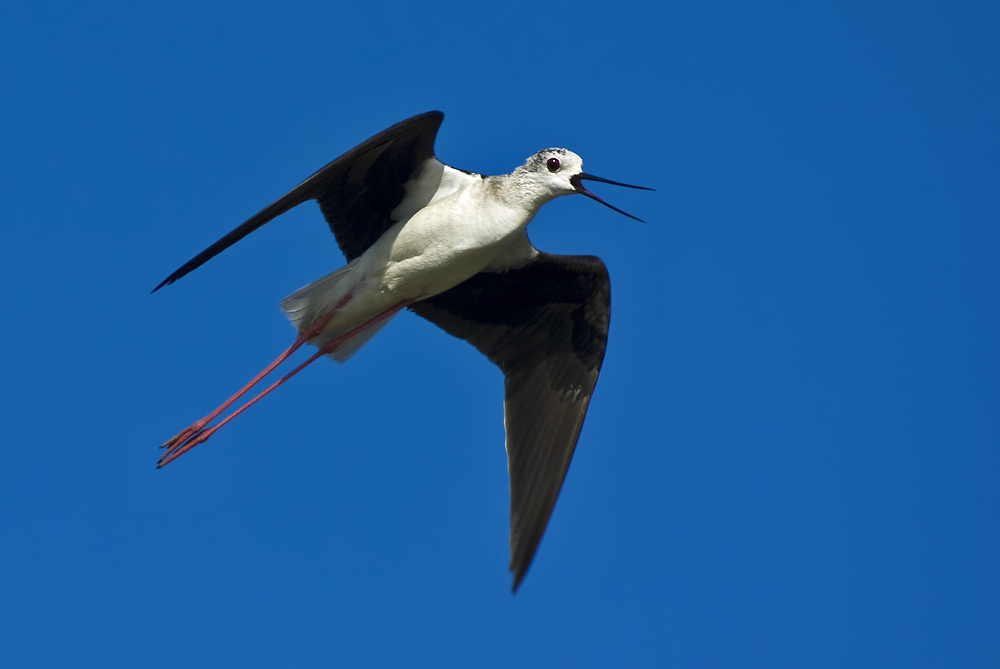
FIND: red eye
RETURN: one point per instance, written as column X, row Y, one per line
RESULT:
column 552, row 164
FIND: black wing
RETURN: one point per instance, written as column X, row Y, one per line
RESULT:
column 546, row 326
column 356, row 191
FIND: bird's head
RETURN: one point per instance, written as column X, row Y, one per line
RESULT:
column 560, row 172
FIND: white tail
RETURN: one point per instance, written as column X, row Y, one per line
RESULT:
column 319, row 298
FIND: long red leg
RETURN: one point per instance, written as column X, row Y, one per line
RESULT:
column 197, row 434
column 199, row 425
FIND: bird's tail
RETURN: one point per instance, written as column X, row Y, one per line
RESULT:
column 320, row 298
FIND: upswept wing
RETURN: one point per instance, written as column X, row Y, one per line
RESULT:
column 546, row 326
column 356, row 191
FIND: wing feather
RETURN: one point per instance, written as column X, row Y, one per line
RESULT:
column 356, row 191
column 546, row 326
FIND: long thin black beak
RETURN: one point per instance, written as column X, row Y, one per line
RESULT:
column 577, row 178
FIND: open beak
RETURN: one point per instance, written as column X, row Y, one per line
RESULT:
column 577, row 178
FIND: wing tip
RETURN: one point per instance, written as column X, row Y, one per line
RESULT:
column 518, row 577
column 166, row 282
column 519, row 568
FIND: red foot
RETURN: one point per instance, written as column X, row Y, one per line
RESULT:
column 184, row 442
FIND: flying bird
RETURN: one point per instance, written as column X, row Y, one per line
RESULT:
column 451, row 246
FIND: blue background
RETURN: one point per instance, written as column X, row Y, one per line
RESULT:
column 792, row 455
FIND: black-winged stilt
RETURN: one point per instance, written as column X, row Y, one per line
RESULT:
column 451, row 246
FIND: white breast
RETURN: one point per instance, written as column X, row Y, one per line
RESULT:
column 460, row 232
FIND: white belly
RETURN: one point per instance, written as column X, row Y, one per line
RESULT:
column 440, row 246
column 444, row 244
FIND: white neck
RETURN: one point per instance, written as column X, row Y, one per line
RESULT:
column 519, row 190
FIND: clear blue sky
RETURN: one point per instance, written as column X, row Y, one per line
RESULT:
column 793, row 453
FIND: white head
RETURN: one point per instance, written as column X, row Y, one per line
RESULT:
column 560, row 172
